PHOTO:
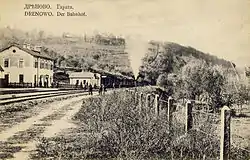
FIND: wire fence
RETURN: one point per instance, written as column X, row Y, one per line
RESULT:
column 196, row 118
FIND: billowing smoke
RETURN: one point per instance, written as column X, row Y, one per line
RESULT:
column 136, row 47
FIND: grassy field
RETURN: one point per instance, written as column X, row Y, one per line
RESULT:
column 113, row 127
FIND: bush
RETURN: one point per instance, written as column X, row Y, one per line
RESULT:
column 164, row 81
column 197, row 81
column 120, row 130
column 233, row 113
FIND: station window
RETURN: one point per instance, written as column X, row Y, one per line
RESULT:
column 34, row 80
column 51, row 67
column 41, row 65
column 21, row 78
column 21, row 62
column 6, row 62
column 36, row 64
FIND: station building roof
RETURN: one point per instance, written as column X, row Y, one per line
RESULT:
column 81, row 74
column 31, row 52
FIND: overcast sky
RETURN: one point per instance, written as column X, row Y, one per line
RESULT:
column 219, row 27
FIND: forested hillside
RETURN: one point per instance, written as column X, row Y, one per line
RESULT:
column 167, row 57
column 106, row 52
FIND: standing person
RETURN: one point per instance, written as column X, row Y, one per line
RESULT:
column 90, row 90
column 103, row 89
column 100, row 89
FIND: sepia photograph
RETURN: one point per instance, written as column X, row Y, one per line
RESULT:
column 125, row 79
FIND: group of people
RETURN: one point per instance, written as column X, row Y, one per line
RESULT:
column 101, row 91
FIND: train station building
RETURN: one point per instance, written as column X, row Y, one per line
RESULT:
column 24, row 65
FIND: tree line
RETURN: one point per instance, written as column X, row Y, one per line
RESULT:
column 188, row 73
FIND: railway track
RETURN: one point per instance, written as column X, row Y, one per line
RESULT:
column 15, row 98
column 20, row 97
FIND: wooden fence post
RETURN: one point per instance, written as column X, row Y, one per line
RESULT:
column 189, row 118
column 136, row 98
column 170, row 110
column 147, row 108
column 156, row 105
column 225, row 133
column 148, row 101
column 140, row 101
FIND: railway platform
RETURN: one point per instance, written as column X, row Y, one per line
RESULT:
column 24, row 90
column 4, row 89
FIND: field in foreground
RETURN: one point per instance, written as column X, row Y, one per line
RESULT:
column 113, row 127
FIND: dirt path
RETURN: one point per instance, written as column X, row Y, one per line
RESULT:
column 20, row 140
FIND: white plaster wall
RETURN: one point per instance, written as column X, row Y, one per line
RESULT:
column 89, row 81
column 13, row 70
column 29, row 70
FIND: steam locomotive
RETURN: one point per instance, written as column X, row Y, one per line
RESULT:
column 121, row 81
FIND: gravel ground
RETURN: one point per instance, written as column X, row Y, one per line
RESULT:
column 20, row 140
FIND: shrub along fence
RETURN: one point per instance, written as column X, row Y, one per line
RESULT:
column 197, row 117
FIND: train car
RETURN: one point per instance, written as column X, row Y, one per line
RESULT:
column 114, row 80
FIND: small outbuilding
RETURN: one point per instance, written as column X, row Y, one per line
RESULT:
column 86, row 78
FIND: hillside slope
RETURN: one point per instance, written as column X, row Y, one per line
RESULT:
column 107, row 52
column 168, row 57
column 102, row 52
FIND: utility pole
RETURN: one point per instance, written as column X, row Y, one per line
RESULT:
column 237, row 76
column 236, row 73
